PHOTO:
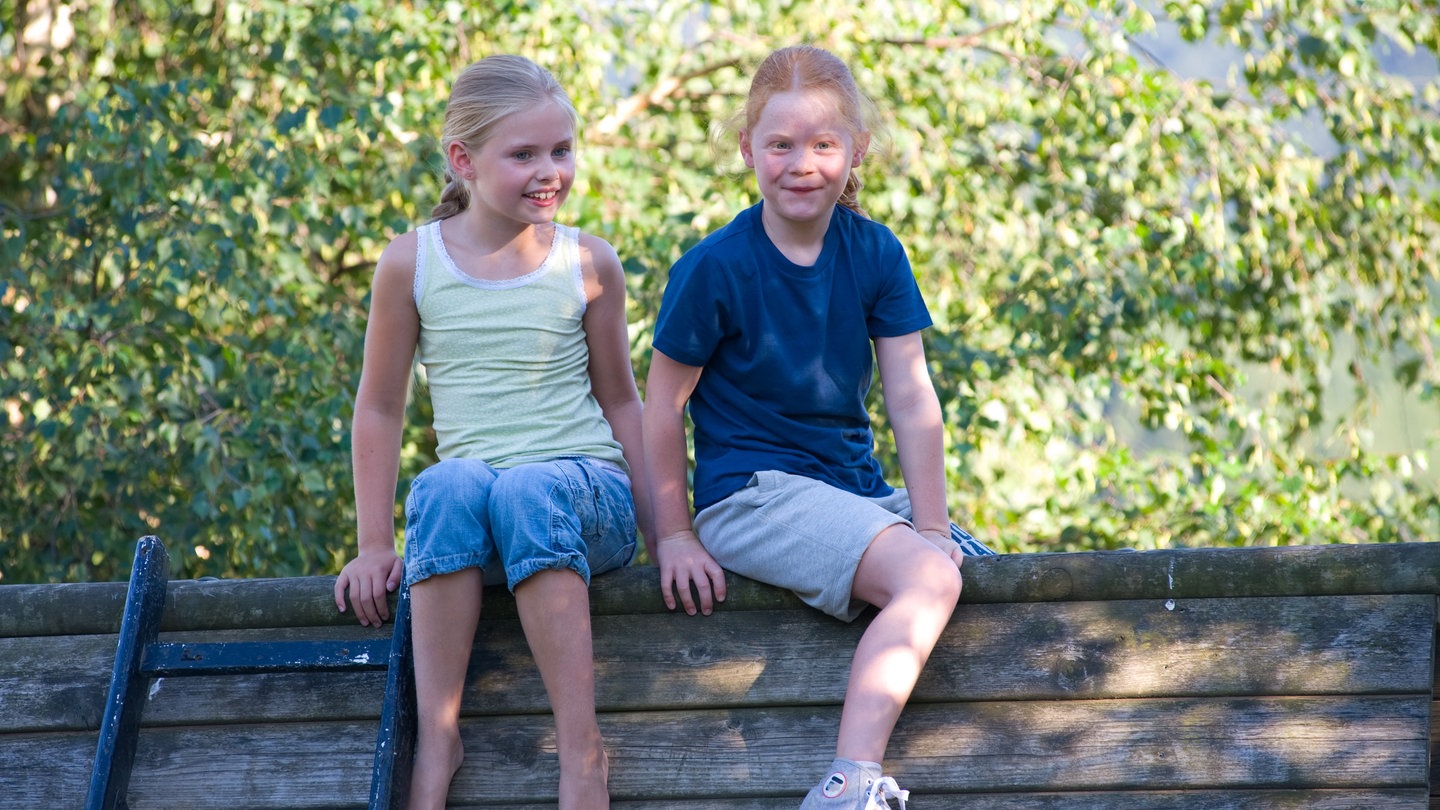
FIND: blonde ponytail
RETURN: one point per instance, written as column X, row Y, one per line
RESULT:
column 454, row 199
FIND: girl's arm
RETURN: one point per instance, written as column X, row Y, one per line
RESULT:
column 612, row 377
column 391, row 334
column 682, row 559
column 916, row 421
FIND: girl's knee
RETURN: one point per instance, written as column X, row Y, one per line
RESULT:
column 902, row 563
column 951, row 582
column 934, row 573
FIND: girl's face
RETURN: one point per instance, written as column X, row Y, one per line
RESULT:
column 523, row 172
column 802, row 153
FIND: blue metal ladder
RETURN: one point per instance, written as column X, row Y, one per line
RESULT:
column 140, row 656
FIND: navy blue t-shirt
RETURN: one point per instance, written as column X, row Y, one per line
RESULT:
column 786, row 350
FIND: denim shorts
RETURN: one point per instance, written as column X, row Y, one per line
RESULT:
column 806, row 536
column 575, row 513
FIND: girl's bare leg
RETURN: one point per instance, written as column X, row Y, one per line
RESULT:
column 916, row 586
column 554, row 611
column 444, row 611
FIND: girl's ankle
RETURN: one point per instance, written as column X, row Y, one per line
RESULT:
column 435, row 765
column 584, row 781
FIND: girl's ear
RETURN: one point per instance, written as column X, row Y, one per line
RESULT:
column 745, row 149
column 460, row 164
column 862, row 145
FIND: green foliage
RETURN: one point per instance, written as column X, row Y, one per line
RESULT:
column 1162, row 317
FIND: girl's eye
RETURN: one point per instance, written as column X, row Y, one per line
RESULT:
column 522, row 155
column 562, row 152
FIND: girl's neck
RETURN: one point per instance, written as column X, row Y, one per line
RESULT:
column 799, row 241
column 491, row 234
column 493, row 249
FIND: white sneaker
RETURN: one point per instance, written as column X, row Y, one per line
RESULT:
column 878, row 796
column 851, row 786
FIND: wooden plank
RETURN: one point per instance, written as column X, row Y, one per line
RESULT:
column 1057, row 650
column 1205, row 572
column 1302, row 743
column 1152, row 648
column 1189, row 800
column 70, row 695
column 64, row 762
column 65, row 702
column 1186, row 743
column 237, row 767
column 58, row 701
column 1094, row 745
column 80, row 608
column 1237, row 744
column 46, row 770
column 1286, row 646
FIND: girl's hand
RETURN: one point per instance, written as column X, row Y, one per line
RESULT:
column 942, row 541
column 684, row 561
column 371, row 577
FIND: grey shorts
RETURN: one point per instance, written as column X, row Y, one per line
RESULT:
column 805, row 535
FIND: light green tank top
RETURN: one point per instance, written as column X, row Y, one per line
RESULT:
column 506, row 361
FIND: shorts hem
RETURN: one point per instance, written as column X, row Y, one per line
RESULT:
column 529, row 568
column 434, row 567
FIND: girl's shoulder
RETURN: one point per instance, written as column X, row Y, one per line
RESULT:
column 862, row 225
column 864, row 239
column 737, row 238
column 399, row 257
column 599, row 263
column 392, row 291
column 591, row 242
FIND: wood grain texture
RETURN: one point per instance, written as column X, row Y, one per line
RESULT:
column 1295, row 744
column 1051, row 651
column 79, row 608
column 1274, row 678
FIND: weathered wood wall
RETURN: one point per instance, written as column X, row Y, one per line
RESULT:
column 1217, row 678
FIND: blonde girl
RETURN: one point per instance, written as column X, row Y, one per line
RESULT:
column 519, row 322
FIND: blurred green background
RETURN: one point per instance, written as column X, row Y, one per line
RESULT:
column 1181, row 256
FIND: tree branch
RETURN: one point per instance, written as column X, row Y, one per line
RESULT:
column 664, row 89
column 975, row 40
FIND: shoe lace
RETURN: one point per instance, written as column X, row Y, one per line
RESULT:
column 881, row 790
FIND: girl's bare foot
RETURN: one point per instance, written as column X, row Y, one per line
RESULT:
column 436, row 761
